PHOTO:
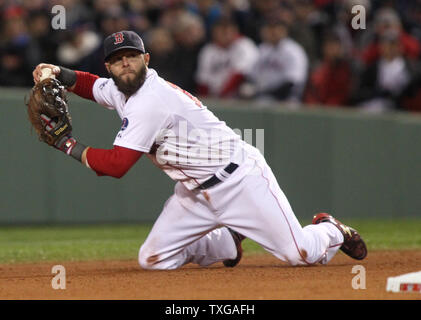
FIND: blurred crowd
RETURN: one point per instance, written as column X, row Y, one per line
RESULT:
column 301, row 52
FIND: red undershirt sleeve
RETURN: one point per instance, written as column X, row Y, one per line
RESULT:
column 112, row 162
column 84, row 84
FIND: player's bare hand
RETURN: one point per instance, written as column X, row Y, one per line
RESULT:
column 37, row 73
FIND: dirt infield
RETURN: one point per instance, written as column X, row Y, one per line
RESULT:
column 256, row 277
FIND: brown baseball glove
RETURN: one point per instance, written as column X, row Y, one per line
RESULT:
column 48, row 111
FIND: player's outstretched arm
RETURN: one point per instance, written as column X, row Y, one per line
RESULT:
column 115, row 162
column 49, row 115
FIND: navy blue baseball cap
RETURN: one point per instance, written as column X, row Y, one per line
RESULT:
column 122, row 40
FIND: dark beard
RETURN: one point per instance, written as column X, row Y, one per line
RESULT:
column 130, row 87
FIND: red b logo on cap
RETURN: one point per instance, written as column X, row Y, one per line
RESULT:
column 118, row 38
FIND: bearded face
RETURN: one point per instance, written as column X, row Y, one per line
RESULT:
column 128, row 69
column 128, row 85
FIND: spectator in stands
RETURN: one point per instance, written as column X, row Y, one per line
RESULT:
column 111, row 21
column 180, row 30
column 412, row 17
column 106, row 14
column 388, row 20
column 108, row 21
column 82, row 42
column 40, row 31
column 136, row 13
column 225, row 62
column 331, row 82
column 209, row 11
column 189, row 36
column 160, row 44
column 353, row 39
column 32, row 5
column 280, row 72
column 19, row 53
column 305, row 27
column 77, row 11
column 385, row 83
column 260, row 12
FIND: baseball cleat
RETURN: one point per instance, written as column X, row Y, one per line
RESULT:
column 238, row 238
column 353, row 244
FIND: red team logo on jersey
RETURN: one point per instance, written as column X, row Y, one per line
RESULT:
column 118, row 38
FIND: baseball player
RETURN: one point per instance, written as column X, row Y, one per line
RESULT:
column 225, row 190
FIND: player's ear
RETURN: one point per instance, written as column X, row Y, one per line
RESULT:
column 107, row 66
column 146, row 58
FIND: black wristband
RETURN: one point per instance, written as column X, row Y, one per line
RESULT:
column 67, row 77
column 77, row 151
column 71, row 147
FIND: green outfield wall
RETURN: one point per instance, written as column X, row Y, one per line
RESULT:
column 341, row 161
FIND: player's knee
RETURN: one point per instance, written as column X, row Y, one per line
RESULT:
column 145, row 260
column 295, row 258
column 145, row 263
column 148, row 260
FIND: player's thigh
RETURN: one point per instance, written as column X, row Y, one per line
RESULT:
column 260, row 211
column 181, row 222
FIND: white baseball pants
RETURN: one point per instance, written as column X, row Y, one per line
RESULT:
column 191, row 227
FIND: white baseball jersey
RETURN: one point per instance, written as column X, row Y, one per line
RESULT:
column 190, row 144
column 217, row 64
column 177, row 132
column 278, row 64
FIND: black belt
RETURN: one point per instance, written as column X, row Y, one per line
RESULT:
column 215, row 180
